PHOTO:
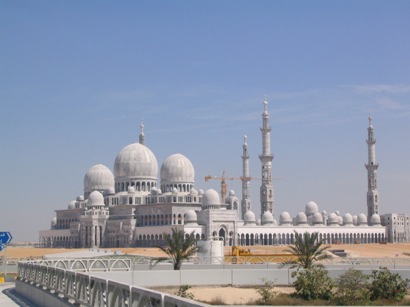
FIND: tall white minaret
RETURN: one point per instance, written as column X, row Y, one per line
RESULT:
column 266, row 191
column 371, row 166
column 246, row 199
column 142, row 136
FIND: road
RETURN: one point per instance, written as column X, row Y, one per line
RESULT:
column 10, row 298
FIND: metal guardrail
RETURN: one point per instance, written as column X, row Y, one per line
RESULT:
column 78, row 287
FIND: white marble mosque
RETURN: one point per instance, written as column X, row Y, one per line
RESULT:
column 131, row 208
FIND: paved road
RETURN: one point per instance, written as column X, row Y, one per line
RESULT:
column 10, row 298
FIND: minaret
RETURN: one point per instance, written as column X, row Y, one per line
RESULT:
column 371, row 166
column 142, row 136
column 266, row 191
column 246, row 200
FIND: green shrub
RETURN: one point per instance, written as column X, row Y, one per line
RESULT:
column 387, row 285
column 352, row 288
column 313, row 283
column 183, row 292
column 267, row 293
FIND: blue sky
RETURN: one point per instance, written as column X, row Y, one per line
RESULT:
column 77, row 77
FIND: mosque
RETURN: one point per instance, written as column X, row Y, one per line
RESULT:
column 131, row 209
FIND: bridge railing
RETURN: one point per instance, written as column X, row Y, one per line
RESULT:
column 76, row 286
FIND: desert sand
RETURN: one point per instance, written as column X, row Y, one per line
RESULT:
column 354, row 250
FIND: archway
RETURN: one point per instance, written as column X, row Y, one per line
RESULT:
column 222, row 234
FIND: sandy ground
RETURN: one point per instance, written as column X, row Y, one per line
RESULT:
column 354, row 250
column 225, row 295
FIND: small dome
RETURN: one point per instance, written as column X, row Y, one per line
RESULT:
column 375, row 220
column 95, row 199
column 362, row 219
column 301, row 218
column 190, row 217
column 110, row 191
column 311, row 208
column 340, row 220
column 136, row 161
column 98, row 178
column 267, row 218
column 154, row 191
column 285, row 218
column 71, row 205
column 174, row 191
column 193, row 192
column 177, row 169
column 211, row 198
column 333, row 219
column 354, row 219
column 53, row 221
column 80, row 198
column 231, row 193
column 201, row 192
column 249, row 218
column 317, row 219
column 131, row 190
column 348, row 219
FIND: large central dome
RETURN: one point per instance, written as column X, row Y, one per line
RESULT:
column 136, row 161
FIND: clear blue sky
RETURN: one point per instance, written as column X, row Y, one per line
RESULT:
column 76, row 78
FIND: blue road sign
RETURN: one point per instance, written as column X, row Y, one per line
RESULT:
column 1, row 247
column 5, row 237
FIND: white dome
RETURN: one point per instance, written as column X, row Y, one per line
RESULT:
column 136, row 161
column 71, row 205
column 190, row 217
column 53, row 221
column 317, row 219
column 311, row 208
column 211, row 198
column 333, row 219
column 375, row 220
column 249, row 217
column 355, row 219
column 362, row 219
column 98, row 177
column 95, row 199
column 131, row 190
column 348, row 219
column 267, row 218
column 110, row 191
column 80, row 198
column 177, row 169
column 285, row 218
column 193, row 192
column 201, row 192
column 301, row 218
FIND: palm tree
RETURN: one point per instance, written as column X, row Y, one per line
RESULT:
column 178, row 247
column 307, row 250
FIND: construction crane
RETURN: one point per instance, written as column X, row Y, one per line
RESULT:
column 224, row 184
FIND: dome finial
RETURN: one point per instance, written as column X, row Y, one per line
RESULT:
column 265, row 103
column 245, row 138
column 142, row 136
column 370, row 119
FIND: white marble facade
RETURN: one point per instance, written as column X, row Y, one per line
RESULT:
column 129, row 207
